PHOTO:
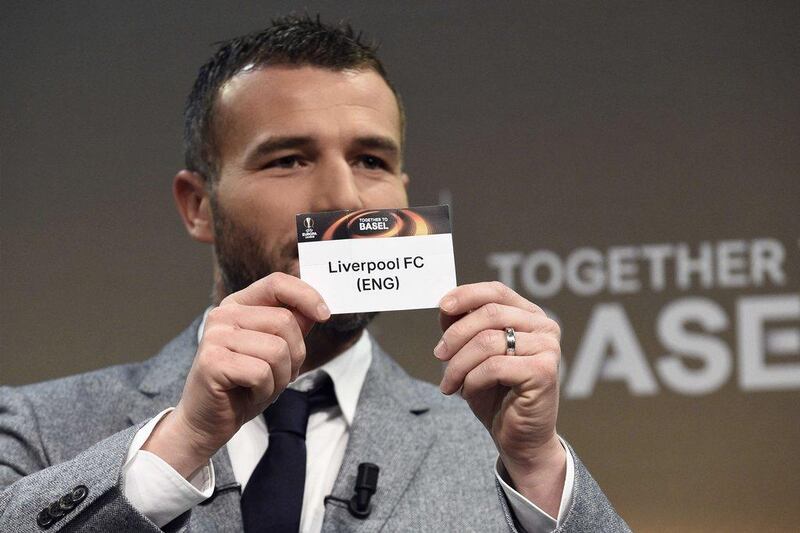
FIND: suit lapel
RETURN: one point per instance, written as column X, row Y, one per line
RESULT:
column 390, row 429
column 161, row 387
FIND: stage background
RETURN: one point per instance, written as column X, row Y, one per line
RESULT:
column 565, row 135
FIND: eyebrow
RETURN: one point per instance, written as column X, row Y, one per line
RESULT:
column 275, row 144
column 376, row 142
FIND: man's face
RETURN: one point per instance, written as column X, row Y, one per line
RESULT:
column 292, row 140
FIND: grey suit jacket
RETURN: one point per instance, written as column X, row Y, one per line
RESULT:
column 436, row 459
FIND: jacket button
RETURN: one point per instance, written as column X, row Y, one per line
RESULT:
column 43, row 519
column 79, row 493
column 65, row 503
column 55, row 511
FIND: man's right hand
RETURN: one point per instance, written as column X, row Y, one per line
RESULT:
column 252, row 348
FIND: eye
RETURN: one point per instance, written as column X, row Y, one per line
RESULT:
column 289, row 161
column 372, row 162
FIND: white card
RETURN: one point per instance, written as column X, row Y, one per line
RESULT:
column 378, row 259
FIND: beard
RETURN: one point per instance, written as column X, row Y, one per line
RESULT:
column 242, row 260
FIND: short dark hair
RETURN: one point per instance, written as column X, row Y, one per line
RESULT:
column 290, row 40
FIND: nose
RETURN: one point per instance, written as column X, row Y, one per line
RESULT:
column 335, row 187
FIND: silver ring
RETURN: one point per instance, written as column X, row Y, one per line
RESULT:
column 511, row 342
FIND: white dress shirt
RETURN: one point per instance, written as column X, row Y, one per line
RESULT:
column 161, row 494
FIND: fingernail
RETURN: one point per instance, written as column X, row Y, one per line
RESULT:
column 448, row 304
column 323, row 311
column 440, row 350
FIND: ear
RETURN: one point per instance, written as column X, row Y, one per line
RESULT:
column 193, row 203
column 404, row 179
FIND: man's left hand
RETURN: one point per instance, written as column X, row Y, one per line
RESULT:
column 514, row 396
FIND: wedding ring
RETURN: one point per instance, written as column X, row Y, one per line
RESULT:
column 511, row 342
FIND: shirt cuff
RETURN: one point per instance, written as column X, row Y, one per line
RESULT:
column 528, row 514
column 156, row 489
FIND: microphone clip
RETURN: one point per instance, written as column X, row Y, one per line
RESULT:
column 366, row 485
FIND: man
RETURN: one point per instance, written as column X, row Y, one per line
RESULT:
column 300, row 117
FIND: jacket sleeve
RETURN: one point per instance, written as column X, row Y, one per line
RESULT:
column 87, row 487
column 589, row 511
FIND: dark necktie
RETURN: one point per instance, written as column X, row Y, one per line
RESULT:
column 273, row 498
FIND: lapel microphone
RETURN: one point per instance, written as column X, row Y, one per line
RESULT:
column 366, row 485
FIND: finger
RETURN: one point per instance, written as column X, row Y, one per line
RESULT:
column 522, row 373
column 445, row 320
column 274, row 320
column 465, row 298
column 486, row 344
column 282, row 289
column 269, row 348
column 249, row 373
column 491, row 316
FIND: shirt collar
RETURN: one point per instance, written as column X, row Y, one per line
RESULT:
column 348, row 370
